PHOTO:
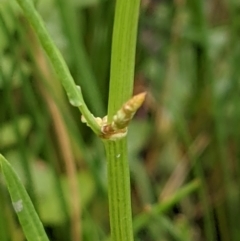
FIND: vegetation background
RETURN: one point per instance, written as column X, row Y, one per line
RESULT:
column 183, row 143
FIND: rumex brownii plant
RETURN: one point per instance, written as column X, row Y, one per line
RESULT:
column 188, row 58
column 112, row 129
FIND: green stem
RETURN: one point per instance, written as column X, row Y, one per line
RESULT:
column 119, row 191
column 121, row 85
column 123, row 54
column 73, row 92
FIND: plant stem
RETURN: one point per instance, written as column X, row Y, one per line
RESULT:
column 119, row 190
column 123, row 54
column 121, row 85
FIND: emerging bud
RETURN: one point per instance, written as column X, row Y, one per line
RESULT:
column 126, row 113
column 117, row 129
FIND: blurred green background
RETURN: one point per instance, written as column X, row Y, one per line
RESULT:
column 183, row 143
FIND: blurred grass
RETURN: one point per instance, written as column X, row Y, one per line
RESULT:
column 187, row 59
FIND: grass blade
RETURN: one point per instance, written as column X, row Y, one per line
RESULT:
column 22, row 204
column 74, row 92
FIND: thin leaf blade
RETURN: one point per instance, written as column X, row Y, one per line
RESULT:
column 27, row 215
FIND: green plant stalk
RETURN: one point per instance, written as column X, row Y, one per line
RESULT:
column 121, row 86
column 119, row 190
column 123, row 54
column 22, row 204
column 73, row 92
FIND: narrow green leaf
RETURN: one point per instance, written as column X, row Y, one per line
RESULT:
column 73, row 91
column 31, row 224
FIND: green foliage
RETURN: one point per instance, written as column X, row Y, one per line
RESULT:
column 22, row 204
column 187, row 59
